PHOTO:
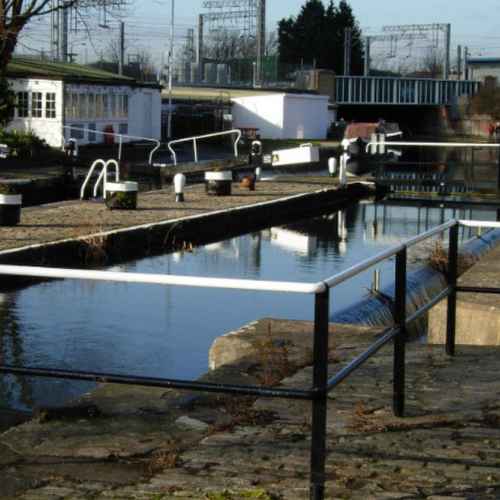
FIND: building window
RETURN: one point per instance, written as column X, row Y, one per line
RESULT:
column 36, row 105
column 92, row 113
column 98, row 106
column 50, row 105
column 77, row 131
column 105, row 105
column 67, row 105
column 23, row 103
column 124, row 106
column 82, row 106
column 91, row 133
column 74, row 106
column 123, row 128
column 113, row 112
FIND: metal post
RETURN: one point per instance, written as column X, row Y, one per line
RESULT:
column 466, row 63
column 120, row 146
column 199, row 51
column 319, row 405
column 347, row 51
column 459, row 62
column 170, row 70
column 195, row 150
column 452, row 297
column 447, row 52
column 122, row 48
column 261, row 40
column 398, row 404
column 366, row 71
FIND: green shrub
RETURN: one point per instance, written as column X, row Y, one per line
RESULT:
column 22, row 144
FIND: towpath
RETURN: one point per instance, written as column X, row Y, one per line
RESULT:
column 73, row 219
column 155, row 444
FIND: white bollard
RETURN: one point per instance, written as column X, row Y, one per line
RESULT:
column 179, row 183
column 332, row 166
column 373, row 145
column 258, row 173
column 381, row 146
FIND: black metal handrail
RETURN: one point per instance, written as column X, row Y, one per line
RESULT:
column 322, row 386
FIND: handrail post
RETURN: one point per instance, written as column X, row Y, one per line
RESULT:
column 451, row 314
column 400, row 339
column 195, row 149
column 120, row 145
column 319, row 404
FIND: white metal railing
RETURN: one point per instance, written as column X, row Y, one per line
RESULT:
column 103, row 176
column 237, row 284
column 120, row 139
column 195, row 140
column 400, row 91
column 162, row 279
column 477, row 145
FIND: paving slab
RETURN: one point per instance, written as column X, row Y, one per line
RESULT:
column 478, row 314
column 447, row 446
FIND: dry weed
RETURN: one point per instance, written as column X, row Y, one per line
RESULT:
column 95, row 247
column 273, row 360
column 160, row 460
column 438, row 260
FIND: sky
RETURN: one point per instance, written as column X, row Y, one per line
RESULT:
column 147, row 24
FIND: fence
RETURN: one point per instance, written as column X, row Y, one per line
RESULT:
column 401, row 91
column 120, row 137
column 322, row 385
column 195, row 140
column 436, row 176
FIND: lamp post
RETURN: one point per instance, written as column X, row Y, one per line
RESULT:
column 170, row 64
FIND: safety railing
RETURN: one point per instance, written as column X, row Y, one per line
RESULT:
column 195, row 140
column 477, row 145
column 426, row 178
column 321, row 384
column 103, row 176
column 120, row 139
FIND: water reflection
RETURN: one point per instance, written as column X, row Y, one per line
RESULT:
column 167, row 331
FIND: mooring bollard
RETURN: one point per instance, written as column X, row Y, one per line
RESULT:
column 179, row 183
column 332, row 166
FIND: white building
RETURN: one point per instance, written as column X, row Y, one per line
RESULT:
column 283, row 116
column 485, row 69
column 57, row 101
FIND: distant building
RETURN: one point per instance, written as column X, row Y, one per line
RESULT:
column 283, row 115
column 485, row 69
column 53, row 96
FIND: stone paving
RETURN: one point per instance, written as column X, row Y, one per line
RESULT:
column 60, row 221
column 156, row 444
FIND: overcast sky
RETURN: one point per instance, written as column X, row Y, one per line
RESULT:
column 147, row 25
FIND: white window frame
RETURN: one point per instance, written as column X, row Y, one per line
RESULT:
column 36, row 104
column 26, row 104
column 50, row 105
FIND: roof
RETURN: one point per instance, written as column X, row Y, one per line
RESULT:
column 483, row 60
column 195, row 93
column 21, row 67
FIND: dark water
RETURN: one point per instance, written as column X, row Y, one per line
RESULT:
column 167, row 331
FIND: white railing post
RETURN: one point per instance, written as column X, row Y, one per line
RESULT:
column 120, row 144
column 120, row 136
column 195, row 139
column 195, row 149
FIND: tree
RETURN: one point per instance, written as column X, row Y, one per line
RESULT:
column 316, row 36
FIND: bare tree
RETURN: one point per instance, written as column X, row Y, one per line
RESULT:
column 432, row 63
column 16, row 14
column 226, row 45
